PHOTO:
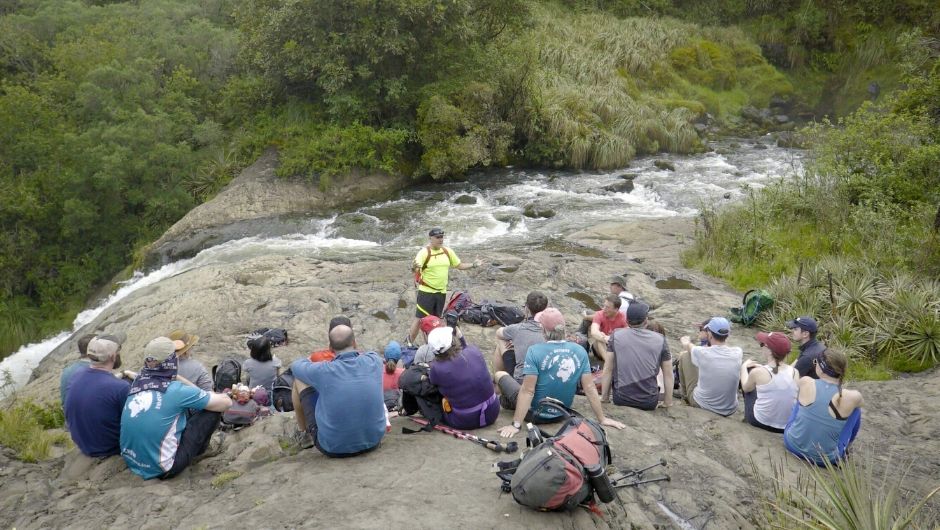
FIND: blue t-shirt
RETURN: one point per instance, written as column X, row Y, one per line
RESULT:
column 67, row 375
column 93, row 410
column 350, row 411
column 152, row 424
column 559, row 366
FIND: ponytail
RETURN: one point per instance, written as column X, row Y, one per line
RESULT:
column 390, row 367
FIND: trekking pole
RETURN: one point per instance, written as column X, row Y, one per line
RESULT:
column 636, row 483
column 510, row 447
column 638, row 473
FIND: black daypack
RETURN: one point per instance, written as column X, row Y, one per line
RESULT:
column 226, row 374
column 277, row 336
column 419, row 395
column 281, row 392
column 505, row 315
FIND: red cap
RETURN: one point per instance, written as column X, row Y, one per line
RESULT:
column 430, row 322
column 776, row 341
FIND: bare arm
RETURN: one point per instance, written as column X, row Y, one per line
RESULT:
column 596, row 334
column 748, row 383
column 218, row 402
column 590, row 391
column 668, row 383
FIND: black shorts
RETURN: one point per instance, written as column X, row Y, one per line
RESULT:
column 430, row 304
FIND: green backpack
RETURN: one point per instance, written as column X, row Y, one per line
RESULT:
column 755, row 301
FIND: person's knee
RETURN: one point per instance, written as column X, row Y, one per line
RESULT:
column 499, row 375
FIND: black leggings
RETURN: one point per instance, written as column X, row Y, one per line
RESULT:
column 194, row 440
column 749, row 399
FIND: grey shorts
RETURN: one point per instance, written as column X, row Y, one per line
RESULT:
column 508, row 392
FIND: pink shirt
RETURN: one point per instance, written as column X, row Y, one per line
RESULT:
column 390, row 381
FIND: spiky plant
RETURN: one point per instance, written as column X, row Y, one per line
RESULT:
column 919, row 339
column 858, row 297
column 849, row 497
column 843, row 332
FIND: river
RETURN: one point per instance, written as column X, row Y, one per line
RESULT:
column 488, row 210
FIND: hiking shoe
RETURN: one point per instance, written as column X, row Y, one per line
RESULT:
column 303, row 439
column 216, row 444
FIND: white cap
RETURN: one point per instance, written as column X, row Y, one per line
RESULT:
column 440, row 339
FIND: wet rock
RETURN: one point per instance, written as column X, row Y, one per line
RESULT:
column 727, row 195
column 628, row 176
column 759, row 145
column 782, row 118
column 700, row 128
column 538, row 212
column 465, row 199
column 781, row 103
column 625, row 186
column 791, row 139
column 665, row 165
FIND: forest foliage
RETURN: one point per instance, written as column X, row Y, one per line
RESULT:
column 116, row 118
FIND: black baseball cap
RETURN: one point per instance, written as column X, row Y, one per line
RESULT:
column 436, row 232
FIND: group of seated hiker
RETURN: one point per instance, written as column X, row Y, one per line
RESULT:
column 159, row 423
column 163, row 418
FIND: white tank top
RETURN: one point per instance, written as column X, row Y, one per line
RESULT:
column 775, row 399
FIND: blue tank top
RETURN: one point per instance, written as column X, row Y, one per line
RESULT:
column 814, row 433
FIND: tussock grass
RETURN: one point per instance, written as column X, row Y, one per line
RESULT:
column 27, row 428
column 224, row 478
column 608, row 89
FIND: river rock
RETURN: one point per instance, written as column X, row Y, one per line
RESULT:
column 465, row 199
column 538, row 212
column 665, row 165
column 625, row 186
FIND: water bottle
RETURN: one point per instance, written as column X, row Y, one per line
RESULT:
column 599, row 480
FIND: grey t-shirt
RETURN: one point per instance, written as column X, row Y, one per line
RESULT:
column 523, row 335
column 640, row 354
column 424, row 355
column 719, row 372
column 261, row 374
column 195, row 373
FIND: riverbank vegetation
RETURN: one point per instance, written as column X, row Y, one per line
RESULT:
column 854, row 239
column 116, row 118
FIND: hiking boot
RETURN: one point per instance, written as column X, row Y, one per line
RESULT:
column 303, row 439
column 216, row 444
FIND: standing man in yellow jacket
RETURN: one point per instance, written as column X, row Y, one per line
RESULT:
column 431, row 267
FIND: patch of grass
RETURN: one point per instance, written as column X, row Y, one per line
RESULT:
column 26, row 427
column 224, row 478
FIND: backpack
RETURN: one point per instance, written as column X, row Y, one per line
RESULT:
column 754, row 301
column 277, row 336
column 281, row 396
column 226, row 374
column 241, row 413
column 475, row 315
column 505, row 315
column 419, row 280
column 419, row 395
column 565, row 470
column 459, row 301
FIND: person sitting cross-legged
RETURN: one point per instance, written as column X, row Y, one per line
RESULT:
column 552, row 369
column 348, row 417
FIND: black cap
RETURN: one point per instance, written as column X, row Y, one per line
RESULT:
column 637, row 312
column 436, row 232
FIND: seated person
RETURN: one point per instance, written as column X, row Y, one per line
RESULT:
column 427, row 324
column 769, row 389
column 462, row 377
column 552, row 369
column 639, row 355
column 327, row 354
column 390, row 391
column 263, row 367
column 348, row 418
column 95, row 400
column 83, row 361
column 709, row 375
column 513, row 341
column 603, row 324
column 825, row 419
column 158, row 439
column 189, row 368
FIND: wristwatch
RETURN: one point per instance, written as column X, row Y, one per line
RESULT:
column 517, row 425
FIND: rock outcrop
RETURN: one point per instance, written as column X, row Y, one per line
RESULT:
column 258, row 193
